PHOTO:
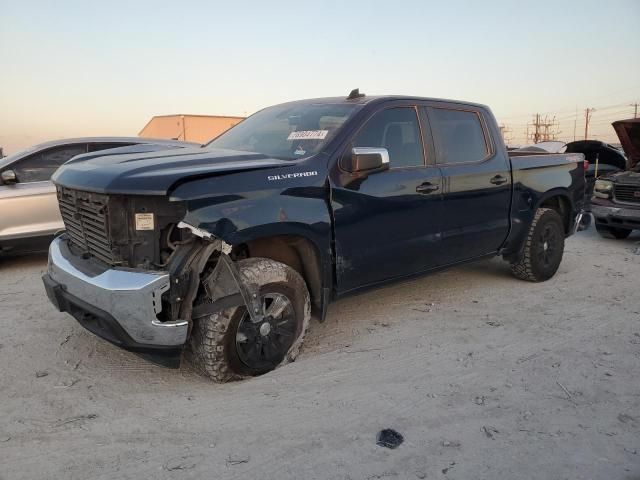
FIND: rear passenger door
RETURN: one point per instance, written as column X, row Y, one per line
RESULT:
column 476, row 182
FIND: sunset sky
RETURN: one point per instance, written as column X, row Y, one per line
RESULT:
column 75, row 68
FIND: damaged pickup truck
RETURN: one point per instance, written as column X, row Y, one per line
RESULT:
column 616, row 196
column 227, row 251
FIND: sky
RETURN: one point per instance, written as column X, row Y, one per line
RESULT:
column 75, row 68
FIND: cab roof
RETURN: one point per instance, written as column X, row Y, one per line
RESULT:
column 368, row 99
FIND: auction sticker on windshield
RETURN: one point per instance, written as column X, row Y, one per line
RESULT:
column 308, row 135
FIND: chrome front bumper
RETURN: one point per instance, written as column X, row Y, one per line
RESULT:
column 130, row 298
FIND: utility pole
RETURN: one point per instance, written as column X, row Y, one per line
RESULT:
column 587, row 117
column 635, row 109
column 545, row 129
column 535, row 135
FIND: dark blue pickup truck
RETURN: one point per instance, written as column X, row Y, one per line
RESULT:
column 224, row 253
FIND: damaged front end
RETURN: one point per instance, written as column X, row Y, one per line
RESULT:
column 130, row 272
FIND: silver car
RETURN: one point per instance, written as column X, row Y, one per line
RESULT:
column 29, row 214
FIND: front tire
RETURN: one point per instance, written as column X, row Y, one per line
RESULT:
column 227, row 345
column 543, row 248
column 612, row 232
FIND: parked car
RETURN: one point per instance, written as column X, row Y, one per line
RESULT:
column 29, row 213
column 230, row 249
column 616, row 196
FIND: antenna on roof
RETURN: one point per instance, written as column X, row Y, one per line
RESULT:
column 355, row 93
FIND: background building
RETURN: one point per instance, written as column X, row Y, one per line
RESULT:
column 193, row 128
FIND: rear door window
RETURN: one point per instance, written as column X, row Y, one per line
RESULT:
column 40, row 166
column 459, row 136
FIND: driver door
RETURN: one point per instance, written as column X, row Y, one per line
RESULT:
column 387, row 223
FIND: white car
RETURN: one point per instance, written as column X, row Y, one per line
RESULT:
column 29, row 214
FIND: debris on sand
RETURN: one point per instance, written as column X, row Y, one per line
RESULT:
column 625, row 418
column 79, row 418
column 451, row 443
column 490, row 431
column 179, row 464
column 237, row 460
column 569, row 396
column 445, row 470
column 41, row 373
column 389, row 438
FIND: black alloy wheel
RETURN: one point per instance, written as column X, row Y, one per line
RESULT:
column 264, row 344
column 548, row 245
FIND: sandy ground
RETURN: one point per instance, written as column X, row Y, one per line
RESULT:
column 485, row 376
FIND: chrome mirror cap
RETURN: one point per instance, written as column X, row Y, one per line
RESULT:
column 366, row 159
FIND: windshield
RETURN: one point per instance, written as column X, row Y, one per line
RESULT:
column 287, row 131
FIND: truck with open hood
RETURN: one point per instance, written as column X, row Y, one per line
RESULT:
column 224, row 253
column 616, row 197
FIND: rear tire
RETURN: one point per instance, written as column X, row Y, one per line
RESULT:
column 543, row 248
column 612, row 232
column 227, row 346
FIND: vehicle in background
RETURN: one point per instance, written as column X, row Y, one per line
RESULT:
column 600, row 159
column 29, row 213
column 229, row 249
column 603, row 159
column 616, row 196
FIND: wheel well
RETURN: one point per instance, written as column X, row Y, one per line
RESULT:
column 561, row 205
column 297, row 252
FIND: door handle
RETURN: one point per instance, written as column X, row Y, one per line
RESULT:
column 427, row 187
column 498, row 180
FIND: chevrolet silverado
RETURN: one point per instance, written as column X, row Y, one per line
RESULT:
column 224, row 253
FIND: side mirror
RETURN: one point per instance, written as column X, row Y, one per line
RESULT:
column 366, row 159
column 9, row 177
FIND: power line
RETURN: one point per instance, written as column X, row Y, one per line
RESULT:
column 543, row 129
column 562, row 114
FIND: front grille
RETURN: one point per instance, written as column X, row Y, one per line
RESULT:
column 85, row 218
column 627, row 193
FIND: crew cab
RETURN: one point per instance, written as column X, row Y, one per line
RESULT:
column 226, row 252
column 616, row 197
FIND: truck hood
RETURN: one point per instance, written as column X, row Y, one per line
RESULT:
column 154, row 173
column 629, row 134
column 129, row 149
